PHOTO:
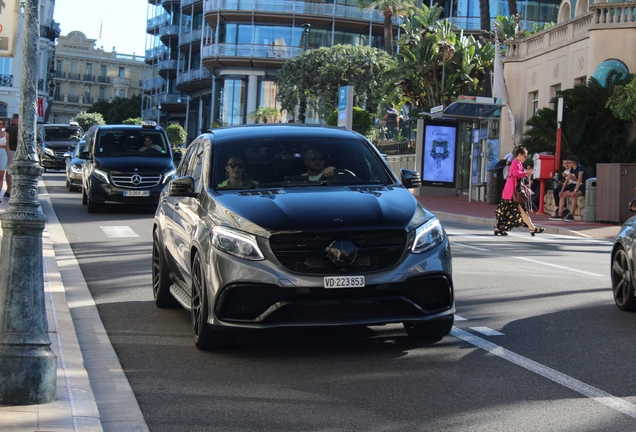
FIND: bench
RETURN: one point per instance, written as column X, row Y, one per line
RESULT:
column 549, row 207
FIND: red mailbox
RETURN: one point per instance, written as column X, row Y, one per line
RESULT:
column 543, row 167
column 543, row 171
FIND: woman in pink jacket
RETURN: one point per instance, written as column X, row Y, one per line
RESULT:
column 509, row 214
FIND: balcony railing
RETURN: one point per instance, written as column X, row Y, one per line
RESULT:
column 249, row 50
column 170, row 30
column 170, row 98
column 153, row 83
column 157, row 21
column 296, row 7
column 185, row 3
column 120, row 81
column 193, row 75
column 103, row 79
column 167, row 65
column 89, row 77
column 74, row 76
column 194, row 35
column 159, row 51
column 6, row 80
column 40, row 84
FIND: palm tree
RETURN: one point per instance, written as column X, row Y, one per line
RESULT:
column 389, row 9
column 484, row 15
column 512, row 7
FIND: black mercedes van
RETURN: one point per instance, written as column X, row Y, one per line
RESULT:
column 125, row 165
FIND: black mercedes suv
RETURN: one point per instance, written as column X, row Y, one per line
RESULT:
column 125, row 164
column 54, row 140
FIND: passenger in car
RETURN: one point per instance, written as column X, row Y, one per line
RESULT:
column 315, row 161
column 149, row 144
column 236, row 175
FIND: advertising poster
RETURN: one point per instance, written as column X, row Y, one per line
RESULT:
column 439, row 154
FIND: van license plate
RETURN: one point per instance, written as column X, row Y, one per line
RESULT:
column 344, row 281
column 136, row 193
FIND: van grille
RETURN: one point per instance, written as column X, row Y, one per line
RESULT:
column 135, row 181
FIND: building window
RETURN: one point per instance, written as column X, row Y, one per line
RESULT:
column 122, row 93
column 102, row 93
column 5, row 66
column 103, row 70
column 534, row 103
column 580, row 80
column 89, row 68
column 554, row 93
column 232, row 102
column 122, row 72
column 3, row 109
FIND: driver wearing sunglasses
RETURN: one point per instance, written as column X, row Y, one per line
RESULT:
column 315, row 161
column 235, row 172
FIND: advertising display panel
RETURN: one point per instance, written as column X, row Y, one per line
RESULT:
column 439, row 155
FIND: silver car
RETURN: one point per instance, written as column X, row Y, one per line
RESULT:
column 290, row 225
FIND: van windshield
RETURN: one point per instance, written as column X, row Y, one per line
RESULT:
column 62, row 133
column 133, row 142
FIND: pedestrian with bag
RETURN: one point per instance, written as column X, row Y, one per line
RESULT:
column 510, row 212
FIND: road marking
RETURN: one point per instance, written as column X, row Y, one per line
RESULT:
column 560, row 267
column 458, row 318
column 560, row 378
column 118, row 231
column 470, row 247
column 487, row 331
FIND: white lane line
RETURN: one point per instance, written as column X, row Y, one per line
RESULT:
column 559, row 267
column 118, row 231
column 470, row 247
column 458, row 318
column 560, row 378
column 487, row 331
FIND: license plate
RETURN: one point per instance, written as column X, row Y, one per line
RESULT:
column 344, row 281
column 136, row 193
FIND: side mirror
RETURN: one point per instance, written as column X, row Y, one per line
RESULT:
column 410, row 179
column 181, row 187
column 632, row 205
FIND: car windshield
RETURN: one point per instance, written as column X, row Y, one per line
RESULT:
column 131, row 142
column 62, row 133
column 289, row 163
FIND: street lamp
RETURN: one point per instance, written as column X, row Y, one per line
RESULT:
column 302, row 109
column 28, row 366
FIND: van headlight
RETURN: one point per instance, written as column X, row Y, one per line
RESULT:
column 236, row 243
column 102, row 175
column 49, row 152
column 428, row 236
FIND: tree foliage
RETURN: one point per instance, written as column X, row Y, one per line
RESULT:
column 118, row 110
column 435, row 52
column 362, row 121
column 388, row 8
column 318, row 75
column 176, row 135
column 622, row 102
column 86, row 119
column 133, row 121
column 265, row 115
column 588, row 130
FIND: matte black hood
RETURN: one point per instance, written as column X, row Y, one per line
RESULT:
column 141, row 164
column 322, row 208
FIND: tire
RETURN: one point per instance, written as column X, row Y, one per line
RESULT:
column 84, row 197
column 161, row 277
column 622, row 281
column 205, row 338
column 90, row 205
column 429, row 330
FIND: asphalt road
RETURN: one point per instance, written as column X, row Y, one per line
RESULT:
column 538, row 344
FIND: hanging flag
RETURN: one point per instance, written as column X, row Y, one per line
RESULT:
column 499, row 89
column 100, row 30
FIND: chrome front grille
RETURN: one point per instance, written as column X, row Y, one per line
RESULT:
column 135, row 181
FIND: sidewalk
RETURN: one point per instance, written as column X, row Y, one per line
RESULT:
column 93, row 393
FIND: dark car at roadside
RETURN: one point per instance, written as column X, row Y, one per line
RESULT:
column 282, row 249
column 120, row 169
column 54, row 140
column 74, row 166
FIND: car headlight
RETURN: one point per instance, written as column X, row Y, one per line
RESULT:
column 76, row 169
column 167, row 176
column 236, row 243
column 428, row 236
column 49, row 152
column 101, row 175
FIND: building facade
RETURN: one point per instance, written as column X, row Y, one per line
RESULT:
column 83, row 74
column 11, row 68
column 588, row 40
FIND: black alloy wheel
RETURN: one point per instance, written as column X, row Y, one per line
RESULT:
column 205, row 338
column 622, row 282
column 90, row 205
column 161, row 276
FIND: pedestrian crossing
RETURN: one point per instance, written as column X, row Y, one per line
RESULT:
column 118, row 231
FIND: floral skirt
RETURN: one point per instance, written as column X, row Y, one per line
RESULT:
column 508, row 216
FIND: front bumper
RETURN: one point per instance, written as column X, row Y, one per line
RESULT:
column 47, row 161
column 106, row 193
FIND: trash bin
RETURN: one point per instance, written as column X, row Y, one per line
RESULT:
column 494, row 186
column 589, row 211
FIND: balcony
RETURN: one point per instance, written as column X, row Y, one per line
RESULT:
column 88, row 77
column 194, row 79
column 74, row 76
column 320, row 13
column 153, row 24
column 40, row 84
column 193, row 36
column 103, row 79
column 167, row 68
column 156, row 53
column 189, row 7
column 246, row 55
column 168, row 31
column 154, row 85
column 118, row 81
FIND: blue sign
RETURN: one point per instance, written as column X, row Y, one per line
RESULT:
column 342, row 99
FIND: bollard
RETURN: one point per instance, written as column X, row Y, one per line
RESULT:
column 589, row 211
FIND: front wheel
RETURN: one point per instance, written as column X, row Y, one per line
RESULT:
column 622, row 283
column 90, row 205
column 429, row 330
column 205, row 338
